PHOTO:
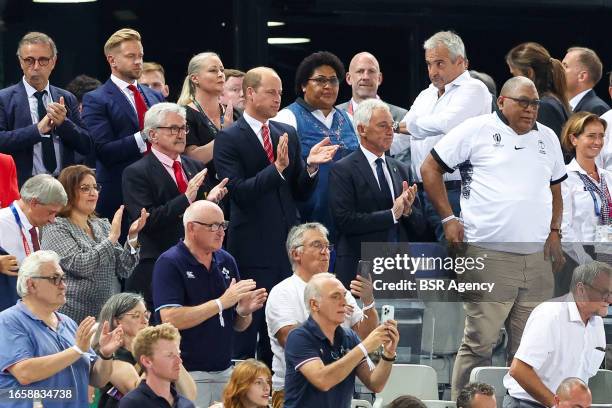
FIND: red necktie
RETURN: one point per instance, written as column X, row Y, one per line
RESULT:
column 180, row 178
column 267, row 143
column 141, row 108
column 34, row 236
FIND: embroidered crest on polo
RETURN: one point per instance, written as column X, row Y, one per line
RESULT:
column 226, row 273
column 497, row 139
column 190, row 275
column 541, row 147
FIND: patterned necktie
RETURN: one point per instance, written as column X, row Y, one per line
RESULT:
column 34, row 236
column 48, row 150
column 178, row 175
column 267, row 142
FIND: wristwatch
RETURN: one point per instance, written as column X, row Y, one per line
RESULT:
column 389, row 359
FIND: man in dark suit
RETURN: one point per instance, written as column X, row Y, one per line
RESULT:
column 262, row 160
column 583, row 70
column 114, row 114
column 369, row 194
column 165, row 183
column 40, row 125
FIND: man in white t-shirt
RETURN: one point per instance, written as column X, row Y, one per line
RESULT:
column 511, row 207
column 563, row 338
column 308, row 248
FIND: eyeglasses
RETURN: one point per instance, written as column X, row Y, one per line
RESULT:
column 139, row 315
column 322, row 81
column 42, row 61
column 525, row 103
column 56, row 280
column 86, row 188
column 175, row 130
column 214, row 227
column 606, row 296
column 319, row 246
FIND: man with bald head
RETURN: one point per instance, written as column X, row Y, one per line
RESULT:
column 512, row 168
column 364, row 77
column 573, row 393
column 267, row 175
column 197, row 288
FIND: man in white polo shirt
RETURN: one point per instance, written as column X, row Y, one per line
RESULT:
column 563, row 338
column 452, row 97
column 512, row 168
column 308, row 248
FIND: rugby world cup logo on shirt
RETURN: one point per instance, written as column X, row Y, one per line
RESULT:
column 541, row 147
column 497, row 140
column 226, row 273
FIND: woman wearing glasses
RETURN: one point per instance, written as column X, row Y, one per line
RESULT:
column 587, row 205
column 248, row 387
column 534, row 62
column 129, row 311
column 88, row 247
column 313, row 115
column 206, row 116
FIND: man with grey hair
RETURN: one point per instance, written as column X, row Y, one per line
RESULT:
column 197, row 288
column 42, row 197
column 309, row 251
column 452, row 97
column 369, row 194
column 563, row 338
column 573, row 393
column 164, row 182
column 44, row 350
column 40, row 124
column 323, row 357
column 511, row 209
column 583, row 70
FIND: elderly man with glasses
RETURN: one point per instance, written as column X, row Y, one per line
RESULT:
column 197, row 288
column 45, row 355
column 164, row 182
column 563, row 338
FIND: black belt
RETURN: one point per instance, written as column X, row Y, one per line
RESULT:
column 450, row 185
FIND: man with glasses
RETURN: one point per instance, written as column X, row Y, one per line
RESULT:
column 511, row 207
column 309, row 251
column 369, row 196
column 197, row 288
column 42, row 197
column 40, row 124
column 452, row 97
column 163, row 182
column 44, row 354
column 563, row 338
column 267, row 178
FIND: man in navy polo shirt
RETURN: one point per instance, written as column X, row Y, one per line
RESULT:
column 323, row 357
column 195, row 288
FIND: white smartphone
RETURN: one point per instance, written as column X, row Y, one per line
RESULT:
column 387, row 313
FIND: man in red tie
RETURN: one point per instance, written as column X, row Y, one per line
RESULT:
column 114, row 113
column 42, row 197
column 165, row 182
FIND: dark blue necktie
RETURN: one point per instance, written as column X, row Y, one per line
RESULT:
column 48, row 150
column 382, row 182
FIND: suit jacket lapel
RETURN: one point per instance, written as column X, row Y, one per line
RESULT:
column 395, row 176
column 253, row 141
column 121, row 100
column 23, row 116
column 361, row 162
column 158, row 170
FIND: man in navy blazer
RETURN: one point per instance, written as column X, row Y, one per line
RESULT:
column 369, row 194
column 114, row 115
column 41, row 139
column 262, row 160
column 583, row 70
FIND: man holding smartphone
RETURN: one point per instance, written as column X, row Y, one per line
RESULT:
column 308, row 249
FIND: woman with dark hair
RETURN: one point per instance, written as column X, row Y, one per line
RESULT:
column 248, row 387
column 533, row 61
column 313, row 115
column 129, row 311
column 587, row 205
column 88, row 247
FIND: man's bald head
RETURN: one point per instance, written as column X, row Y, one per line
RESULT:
column 200, row 210
column 514, row 85
column 573, row 393
column 364, row 76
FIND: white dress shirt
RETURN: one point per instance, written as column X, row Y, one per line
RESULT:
column 123, row 86
column 38, row 166
column 431, row 116
column 576, row 99
column 371, row 158
column 10, row 236
column 287, row 117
